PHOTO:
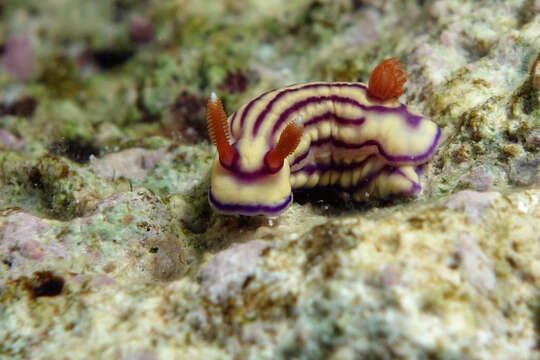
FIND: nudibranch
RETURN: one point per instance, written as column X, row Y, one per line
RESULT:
column 353, row 136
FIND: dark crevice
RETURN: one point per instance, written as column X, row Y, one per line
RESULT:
column 47, row 284
column 24, row 107
column 108, row 59
column 78, row 150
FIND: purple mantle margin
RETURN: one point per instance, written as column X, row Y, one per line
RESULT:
column 248, row 209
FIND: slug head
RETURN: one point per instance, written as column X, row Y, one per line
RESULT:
column 237, row 189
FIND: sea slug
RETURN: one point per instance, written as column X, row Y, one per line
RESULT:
column 353, row 136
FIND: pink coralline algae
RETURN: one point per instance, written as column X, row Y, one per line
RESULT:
column 18, row 57
column 223, row 278
column 10, row 141
column 31, row 249
column 97, row 281
column 475, row 265
column 131, row 164
column 391, row 276
column 19, row 227
column 480, row 179
column 21, row 242
column 473, row 203
column 21, row 237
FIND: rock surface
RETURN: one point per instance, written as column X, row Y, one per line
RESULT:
column 109, row 249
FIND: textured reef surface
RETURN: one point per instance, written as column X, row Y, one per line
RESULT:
column 109, row 249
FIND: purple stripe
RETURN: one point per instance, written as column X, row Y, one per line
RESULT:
column 300, row 158
column 248, row 107
column 411, row 119
column 327, row 115
column 248, row 209
column 415, row 189
column 269, row 106
column 311, row 168
column 339, row 119
column 396, row 159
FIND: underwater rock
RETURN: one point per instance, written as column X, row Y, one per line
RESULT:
column 145, row 269
column 525, row 170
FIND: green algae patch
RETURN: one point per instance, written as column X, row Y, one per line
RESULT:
column 65, row 190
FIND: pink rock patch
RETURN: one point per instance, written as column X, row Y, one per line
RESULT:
column 131, row 164
column 18, row 57
column 58, row 250
column 391, row 276
column 475, row 265
column 10, row 141
column 479, row 179
column 227, row 273
column 103, row 280
column 22, row 242
column 20, row 226
column 32, row 249
column 473, row 203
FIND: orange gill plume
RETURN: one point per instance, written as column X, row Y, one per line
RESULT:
column 218, row 128
column 288, row 142
column 387, row 79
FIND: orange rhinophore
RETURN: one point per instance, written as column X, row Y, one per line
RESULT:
column 386, row 80
column 218, row 128
column 288, row 142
